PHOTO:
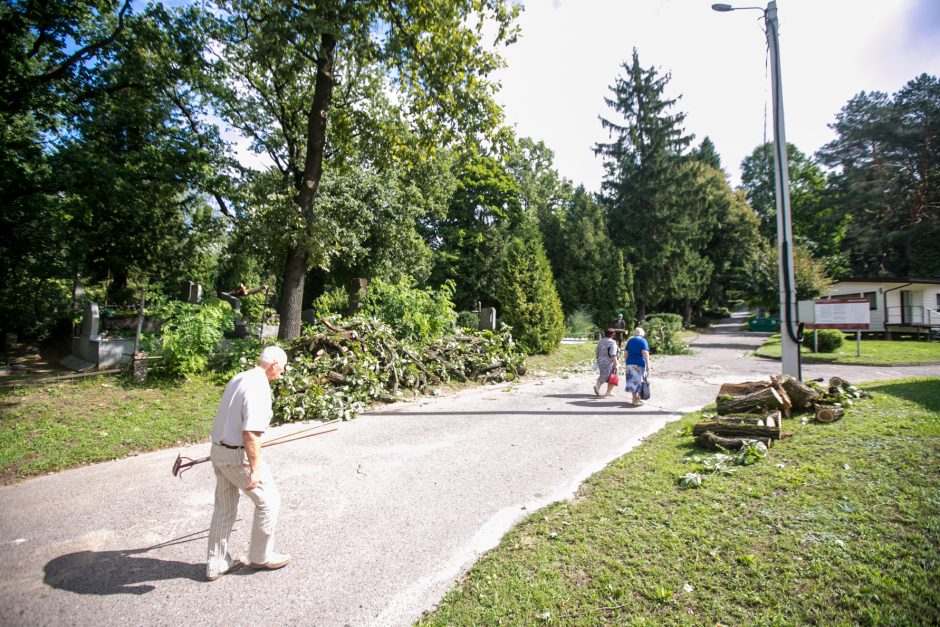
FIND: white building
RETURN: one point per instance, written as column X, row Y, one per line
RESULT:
column 896, row 305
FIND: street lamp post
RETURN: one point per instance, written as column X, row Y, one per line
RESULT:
column 789, row 332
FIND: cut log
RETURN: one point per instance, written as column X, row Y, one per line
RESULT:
column 756, row 402
column 828, row 413
column 838, row 382
column 801, row 395
column 770, row 420
column 735, row 429
column 712, row 442
column 336, row 377
column 734, row 390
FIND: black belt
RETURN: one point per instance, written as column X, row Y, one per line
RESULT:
column 228, row 445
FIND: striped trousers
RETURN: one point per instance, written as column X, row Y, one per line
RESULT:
column 231, row 475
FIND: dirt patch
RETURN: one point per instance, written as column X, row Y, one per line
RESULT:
column 29, row 360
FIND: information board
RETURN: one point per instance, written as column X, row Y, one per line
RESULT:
column 841, row 313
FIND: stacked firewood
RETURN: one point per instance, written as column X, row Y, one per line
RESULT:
column 752, row 411
column 832, row 401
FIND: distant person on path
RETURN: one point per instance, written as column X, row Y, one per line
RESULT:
column 606, row 356
column 243, row 416
column 637, row 363
column 621, row 326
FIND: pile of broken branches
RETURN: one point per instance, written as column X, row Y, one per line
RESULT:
column 339, row 366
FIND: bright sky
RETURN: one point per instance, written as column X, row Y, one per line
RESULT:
column 570, row 51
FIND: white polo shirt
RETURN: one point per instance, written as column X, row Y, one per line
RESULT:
column 245, row 406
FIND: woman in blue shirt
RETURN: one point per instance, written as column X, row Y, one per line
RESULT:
column 637, row 363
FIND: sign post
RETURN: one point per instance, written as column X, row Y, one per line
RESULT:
column 845, row 314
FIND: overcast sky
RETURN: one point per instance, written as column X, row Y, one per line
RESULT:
column 570, row 51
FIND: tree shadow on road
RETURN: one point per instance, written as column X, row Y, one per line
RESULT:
column 119, row 572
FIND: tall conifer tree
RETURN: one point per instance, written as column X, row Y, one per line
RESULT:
column 645, row 187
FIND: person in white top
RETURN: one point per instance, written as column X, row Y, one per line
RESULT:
column 243, row 416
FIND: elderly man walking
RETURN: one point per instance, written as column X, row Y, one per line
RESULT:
column 243, row 416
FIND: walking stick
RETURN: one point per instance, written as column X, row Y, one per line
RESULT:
column 182, row 464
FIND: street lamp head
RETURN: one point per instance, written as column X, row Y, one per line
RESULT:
column 724, row 8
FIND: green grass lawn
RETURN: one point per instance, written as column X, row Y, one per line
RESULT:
column 62, row 426
column 876, row 352
column 838, row 524
column 565, row 357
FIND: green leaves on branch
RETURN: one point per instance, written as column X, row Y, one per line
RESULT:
column 338, row 367
column 191, row 334
column 413, row 313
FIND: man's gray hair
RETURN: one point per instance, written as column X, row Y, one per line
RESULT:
column 273, row 354
column 639, row 332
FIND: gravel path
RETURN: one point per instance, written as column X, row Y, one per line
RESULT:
column 381, row 516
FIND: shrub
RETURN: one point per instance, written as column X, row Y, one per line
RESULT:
column 254, row 307
column 829, row 340
column 415, row 313
column 239, row 354
column 191, row 333
column 334, row 302
column 580, row 323
column 662, row 334
column 468, row 320
column 34, row 306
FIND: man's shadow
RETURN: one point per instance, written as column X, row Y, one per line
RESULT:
column 119, row 572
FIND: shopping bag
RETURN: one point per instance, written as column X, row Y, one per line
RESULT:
column 613, row 379
column 645, row 389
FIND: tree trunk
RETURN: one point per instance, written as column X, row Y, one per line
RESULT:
column 307, row 186
column 688, row 312
column 292, row 302
column 756, row 402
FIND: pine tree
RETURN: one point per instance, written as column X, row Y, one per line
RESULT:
column 651, row 215
column 526, row 291
column 589, row 270
column 707, row 154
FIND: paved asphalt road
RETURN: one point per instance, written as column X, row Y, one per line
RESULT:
column 381, row 516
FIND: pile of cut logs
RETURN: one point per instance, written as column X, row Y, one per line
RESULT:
column 753, row 411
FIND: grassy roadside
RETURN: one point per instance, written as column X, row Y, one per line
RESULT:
column 565, row 357
column 62, row 426
column 46, row 429
column 839, row 524
column 874, row 352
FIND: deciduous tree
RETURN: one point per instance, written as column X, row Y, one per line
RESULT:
column 313, row 84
